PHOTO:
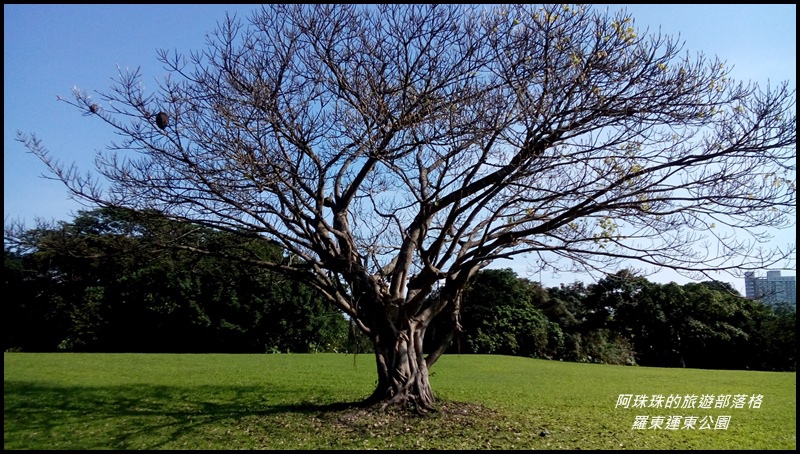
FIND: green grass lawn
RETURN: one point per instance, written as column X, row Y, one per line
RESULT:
column 166, row 401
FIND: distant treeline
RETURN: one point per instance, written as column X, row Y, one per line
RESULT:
column 110, row 282
column 625, row 319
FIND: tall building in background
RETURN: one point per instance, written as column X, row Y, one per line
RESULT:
column 772, row 289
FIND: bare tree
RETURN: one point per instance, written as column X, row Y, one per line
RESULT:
column 396, row 150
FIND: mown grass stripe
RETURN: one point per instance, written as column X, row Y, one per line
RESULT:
column 166, row 401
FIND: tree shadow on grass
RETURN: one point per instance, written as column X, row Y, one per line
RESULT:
column 38, row 416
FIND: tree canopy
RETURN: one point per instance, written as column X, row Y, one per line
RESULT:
column 108, row 282
column 397, row 149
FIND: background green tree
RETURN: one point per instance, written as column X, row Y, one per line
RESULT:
column 109, row 281
column 499, row 317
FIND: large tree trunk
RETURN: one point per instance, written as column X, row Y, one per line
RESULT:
column 402, row 369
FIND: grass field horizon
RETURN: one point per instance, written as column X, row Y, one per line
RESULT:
column 299, row 401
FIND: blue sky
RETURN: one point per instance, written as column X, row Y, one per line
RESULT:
column 48, row 49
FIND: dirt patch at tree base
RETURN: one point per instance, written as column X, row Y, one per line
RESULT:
column 449, row 417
